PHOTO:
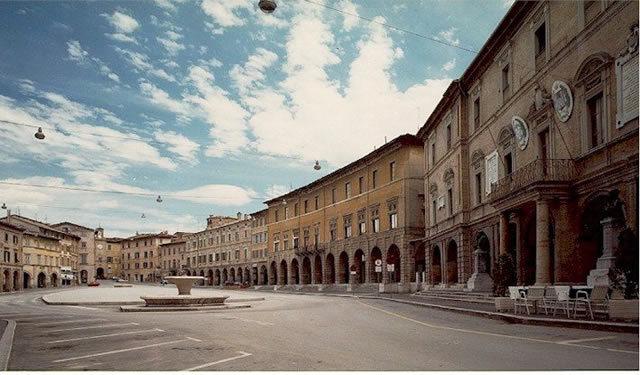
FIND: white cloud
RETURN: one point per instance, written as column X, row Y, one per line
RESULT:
column 183, row 147
column 449, row 65
column 252, row 73
column 225, row 13
column 162, row 99
column 122, row 22
column 172, row 46
column 223, row 195
column 140, row 61
column 75, row 51
column 349, row 9
column 449, row 36
column 170, row 5
column 274, row 191
column 119, row 37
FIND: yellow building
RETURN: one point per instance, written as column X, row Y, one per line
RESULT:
column 141, row 256
column 11, row 276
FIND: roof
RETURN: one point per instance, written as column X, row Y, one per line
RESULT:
column 403, row 140
column 511, row 21
column 72, row 224
column 114, row 239
column 147, row 235
column 11, row 226
column 40, row 224
column 174, row 242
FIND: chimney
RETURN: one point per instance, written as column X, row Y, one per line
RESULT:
column 239, row 215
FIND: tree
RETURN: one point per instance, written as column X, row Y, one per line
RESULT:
column 624, row 274
column 504, row 275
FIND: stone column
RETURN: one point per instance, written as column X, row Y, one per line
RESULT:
column 543, row 258
column 385, row 273
column 504, row 234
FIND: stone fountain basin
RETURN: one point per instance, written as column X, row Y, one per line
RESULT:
column 184, row 300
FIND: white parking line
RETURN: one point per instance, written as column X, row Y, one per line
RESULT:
column 121, row 350
column 90, row 327
column 242, row 355
column 252, row 321
column 83, row 307
column 108, row 335
column 585, row 340
column 50, row 318
column 68, row 322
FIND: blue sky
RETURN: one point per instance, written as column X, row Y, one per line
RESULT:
column 211, row 104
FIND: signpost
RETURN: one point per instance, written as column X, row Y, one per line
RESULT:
column 378, row 263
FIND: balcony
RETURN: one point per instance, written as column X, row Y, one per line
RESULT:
column 547, row 171
column 308, row 250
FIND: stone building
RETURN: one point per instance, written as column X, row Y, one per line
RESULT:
column 533, row 152
column 112, row 257
column 356, row 225
column 173, row 254
column 259, row 247
column 86, row 250
column 11, row 277
column 140, row 256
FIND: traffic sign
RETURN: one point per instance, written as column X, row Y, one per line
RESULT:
column 391, row 267
column 378, row 262
column 353, row 272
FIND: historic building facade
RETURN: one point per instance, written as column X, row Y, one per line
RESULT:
column 86, row 250
column 355, row 225
column 112, row 257
column 140, row 256
column 533, row 152
column 173, row 254
column 11, row 277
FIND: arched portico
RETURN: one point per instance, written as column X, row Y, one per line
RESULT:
column 273, row 275
column 210, row 277
column 317, row 270
column 330, row 266
column 284, row 273
column 26, row 280
column 264, row 277
column 306, row 270
column 343, row 268
column 452, row 262
column 218, row 277
column 54, row 280
column 360, row 265
column 436, row 266
column 16, row 280
column 42, row 280
column 394, row 260
column 376, row 255
column 295, row 272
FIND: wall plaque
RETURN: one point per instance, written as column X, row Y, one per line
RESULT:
column 562, row 100
column 520, row 131
column 491, row 170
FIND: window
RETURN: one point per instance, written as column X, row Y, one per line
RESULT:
column 433, row 153
column 450, row 200
column 392, row 171
column 362, row 227
column 277, row 214
column 505, row 81
column 433, row 211
column 333, row 195
column 508, row 164
column 375, row 225
column 478, row 188
column 295, row 242
column 594, row 113
column 541, row 39
column 360, row 185
column 286, row 213
column 393, row 220
column 306, row 206
column 448, row 137
column 476, row 113
column 317, row 205
column 285, row 245
column 347, row 190
column 332, row 234
column 374, row 178
column 347, row 231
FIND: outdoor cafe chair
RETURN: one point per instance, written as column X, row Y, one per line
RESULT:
column 597, row 301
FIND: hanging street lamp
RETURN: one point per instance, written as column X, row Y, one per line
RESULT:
column 317, row 166
column 159, row 199
column 39, row 134
column 267, row 6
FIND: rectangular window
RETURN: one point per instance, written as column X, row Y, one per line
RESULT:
column 393, row 220
column 433, row 153
column 476, row 113
column 392, row 171
column 508, row 164
column 285, row 245
column 306, row 206
column 347, row 190
column 541, row 40
column 362, row 227
column 286, row 213
column 347, row 231
column 277, row 214
column 505, row 81
column 375, row 225
column 433, row 211
column 332, row 233
column 374, row 179
column 448, row 137
column 317, row 202
column 596, row 130
column 478, row 188
column 450, row 201
column 360, row 185
column 295, row 242
column 333, row 195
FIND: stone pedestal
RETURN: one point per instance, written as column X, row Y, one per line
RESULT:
column 480, row 281
column 611, row 228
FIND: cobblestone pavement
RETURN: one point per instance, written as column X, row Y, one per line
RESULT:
column 297, row 332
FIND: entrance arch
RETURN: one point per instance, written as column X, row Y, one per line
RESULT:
column 54, row 280
column 225, row 276
column 232, row 275
column 359, row 262
column 42, row 280
column 343, row 268
column 26, row 280
column 393, row 257
column 16, row 280
column 375, row 277
column 306, row 270
column 273, row 275
column 419, row 263
column 218, row 279
column 284, row 274
column 210, row 278
column 84, row 276
column 317, row 270
column 247, row 276
column 188, row 272
column 452, row 262
column 100, row 273
column 264, row 277
column 330, row 264
column 239, row 276
column 436, row 264
column 295, row 272
column 6, row 280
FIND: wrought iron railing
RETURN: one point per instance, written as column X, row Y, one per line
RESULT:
column 309, row 250
column 540, row 170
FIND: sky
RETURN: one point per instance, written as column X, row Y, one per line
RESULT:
column 211, row 104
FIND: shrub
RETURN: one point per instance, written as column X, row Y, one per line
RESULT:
column 504, row 275
column 624, row 274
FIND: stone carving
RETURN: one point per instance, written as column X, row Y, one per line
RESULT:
column 520, row 131
column 562, row 100
column 491, row 168
column 476, row 159
column 448, row 177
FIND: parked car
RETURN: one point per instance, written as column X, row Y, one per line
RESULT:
column 93, row 283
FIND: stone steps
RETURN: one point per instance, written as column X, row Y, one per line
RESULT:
column 457, row 295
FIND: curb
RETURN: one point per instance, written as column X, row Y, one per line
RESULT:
column 141, row 308
column 520, row 319
column 131, row 303
column 6, row 342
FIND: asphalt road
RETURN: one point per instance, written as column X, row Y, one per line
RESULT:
column 298, row 332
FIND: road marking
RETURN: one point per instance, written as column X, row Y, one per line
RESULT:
column 191, row 338
column 83, row 307
column 121, row 350
column 50, row 318
column 242, row 355
column 252, row 321
column 90, row 327
column 585, row 340
column 622, row 351
column 68, row 321
column 108, row 335
column 487, row 333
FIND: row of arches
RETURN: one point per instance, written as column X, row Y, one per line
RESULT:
column 41, row 280
column 10, row 280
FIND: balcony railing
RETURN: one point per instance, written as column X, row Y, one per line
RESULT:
column 309, row 250
column 540, row 170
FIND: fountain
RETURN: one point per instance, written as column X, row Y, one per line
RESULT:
column 184, row 297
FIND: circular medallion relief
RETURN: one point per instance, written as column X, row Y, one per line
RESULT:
column 520, row 131
column 562, row 100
